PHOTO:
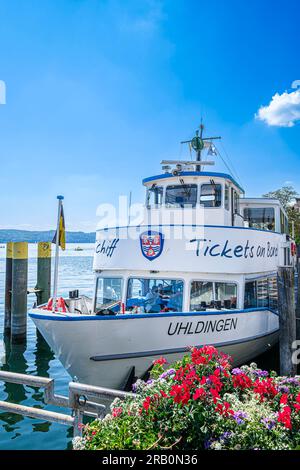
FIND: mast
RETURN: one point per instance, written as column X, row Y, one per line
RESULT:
column 198, row 143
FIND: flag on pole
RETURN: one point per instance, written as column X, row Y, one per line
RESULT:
column 61, row 230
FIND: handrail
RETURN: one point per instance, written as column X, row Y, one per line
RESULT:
column 78, row 400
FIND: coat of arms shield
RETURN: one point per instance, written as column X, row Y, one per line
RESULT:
column 151, row 244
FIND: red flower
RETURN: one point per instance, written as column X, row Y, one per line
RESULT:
column 163, row 394
column 284, row 417
column 241, row 381
column 215, row 394
column 117, row 412
column 180, row 393
column 203, row 355
column 160, row 361
column 265, row 388
column 147, row 403
column 224, row 409
column 199, row 393
column 297, row 405
column 215, row 380
column 284, row 399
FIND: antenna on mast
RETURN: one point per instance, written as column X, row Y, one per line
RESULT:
column 198, row 143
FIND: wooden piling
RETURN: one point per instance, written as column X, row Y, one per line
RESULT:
column 8, row 287
column 43, row 272
column 287, row 319
column 19, row 292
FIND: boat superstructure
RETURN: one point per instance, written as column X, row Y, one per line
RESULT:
column 200, row 267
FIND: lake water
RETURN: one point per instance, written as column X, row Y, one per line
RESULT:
column 36, row 358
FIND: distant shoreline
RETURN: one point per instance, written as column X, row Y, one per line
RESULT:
column 14, row 235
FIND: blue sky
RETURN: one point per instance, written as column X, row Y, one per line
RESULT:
column 99, row 91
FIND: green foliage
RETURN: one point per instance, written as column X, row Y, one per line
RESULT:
column 285, row 195
column 200, row 403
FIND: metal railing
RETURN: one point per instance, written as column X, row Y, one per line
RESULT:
column 78, row 400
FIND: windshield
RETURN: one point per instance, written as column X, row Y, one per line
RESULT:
column 181, row 195
column 108, row 293
column 211, row 195
column 154, row 295
column 154, row 196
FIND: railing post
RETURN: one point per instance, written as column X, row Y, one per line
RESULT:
column 8, row 287
column 19, row 292
column 44, row 272
column 287, row 319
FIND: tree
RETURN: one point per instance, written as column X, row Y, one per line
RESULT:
column 286, row 195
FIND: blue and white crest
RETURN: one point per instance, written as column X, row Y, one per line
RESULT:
column 152, row 244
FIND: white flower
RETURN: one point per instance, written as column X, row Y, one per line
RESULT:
column 78, row 443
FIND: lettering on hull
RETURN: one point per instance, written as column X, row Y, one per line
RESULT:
column 202, row 326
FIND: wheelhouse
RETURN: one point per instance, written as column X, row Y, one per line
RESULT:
column 217, row 193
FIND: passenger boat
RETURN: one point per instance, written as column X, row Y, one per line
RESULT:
column 200, row 268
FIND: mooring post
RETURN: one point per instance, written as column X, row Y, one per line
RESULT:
column 43, row 272
column 19, row 292
column 8, row 287
column 287, row 319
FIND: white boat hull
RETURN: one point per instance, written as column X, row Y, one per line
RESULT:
column 102, row 350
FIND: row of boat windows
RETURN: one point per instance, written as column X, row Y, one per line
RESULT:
column 262, row 293
column 186, row 195
column 181, row 195
column 163, row 295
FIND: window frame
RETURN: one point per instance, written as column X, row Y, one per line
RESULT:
column 108, row 277
column 176, row 205
column 227, row 190
column 148, row 192
column 262, row 208
column 210, row 184
column 159, row 279
column 213, row 281
column 256, row 280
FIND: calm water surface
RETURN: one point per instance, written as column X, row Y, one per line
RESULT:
column 36, row 358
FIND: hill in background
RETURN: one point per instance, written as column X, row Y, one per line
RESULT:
column 11, row 235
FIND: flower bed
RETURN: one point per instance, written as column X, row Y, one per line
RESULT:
column 199, row 403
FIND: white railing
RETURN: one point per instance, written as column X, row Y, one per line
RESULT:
column 78, row 400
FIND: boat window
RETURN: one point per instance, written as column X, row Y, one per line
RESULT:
column 236, row 203
column 108, row 293
column 260, row 217
column 211, row 195
column 261, row 293
column 273, row 293
column 250, row 300
column 284, row 226
column 226, row 197
column 281, row 221
column 154, row 295
column 154, row 196
column 205, row 294
column 226, row 293
column 181, row 195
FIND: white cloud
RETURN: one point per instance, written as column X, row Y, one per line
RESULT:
column 282, row 111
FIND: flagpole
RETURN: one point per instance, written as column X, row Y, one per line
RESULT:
column 60, row 199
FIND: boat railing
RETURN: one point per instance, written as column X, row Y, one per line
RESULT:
column 78, row 400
